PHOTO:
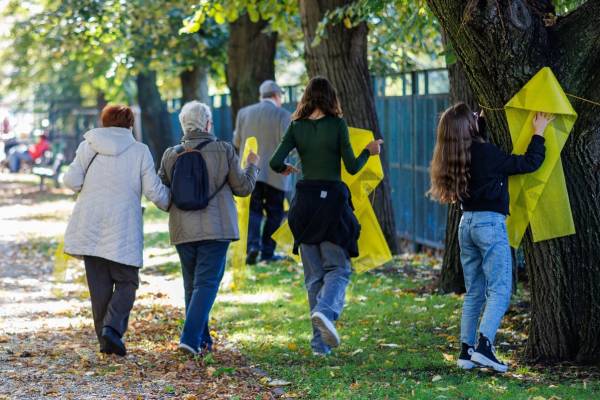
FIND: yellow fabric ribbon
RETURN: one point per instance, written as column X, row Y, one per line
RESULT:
column 372, row 245
column 237, row 255
column 540, row 199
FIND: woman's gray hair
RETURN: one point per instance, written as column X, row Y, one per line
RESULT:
column 194, row 117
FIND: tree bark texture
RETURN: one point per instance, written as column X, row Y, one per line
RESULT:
column 341, row 57
column 251, row 55
column 501, row 45
column 194, row 84
column 156, row 121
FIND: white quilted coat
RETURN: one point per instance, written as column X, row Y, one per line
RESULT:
column 107, row 218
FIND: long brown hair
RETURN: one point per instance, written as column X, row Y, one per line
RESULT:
column 450, row 166
column 319, row 94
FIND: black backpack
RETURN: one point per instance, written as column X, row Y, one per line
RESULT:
column 189, row 181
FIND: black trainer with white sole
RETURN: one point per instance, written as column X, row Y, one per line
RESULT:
column 464, row 359
column 486, row 356
column 327, row 328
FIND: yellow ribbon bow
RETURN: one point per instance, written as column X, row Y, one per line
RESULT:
column 237, row 258
column 540, row 199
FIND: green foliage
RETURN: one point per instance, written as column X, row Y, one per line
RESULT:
column 403, row 33
column 566, row 6
column 279, row 13
column 86, row 46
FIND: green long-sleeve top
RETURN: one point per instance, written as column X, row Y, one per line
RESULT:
column 320, row 143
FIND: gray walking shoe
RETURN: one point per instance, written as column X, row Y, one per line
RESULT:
column 327, row 328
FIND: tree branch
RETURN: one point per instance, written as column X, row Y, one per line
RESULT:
column 576, row 48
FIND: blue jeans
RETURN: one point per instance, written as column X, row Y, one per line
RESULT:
column 327, row 273
column 487, row 268
column 203, row 266
column 16, row 157
column 270, row 200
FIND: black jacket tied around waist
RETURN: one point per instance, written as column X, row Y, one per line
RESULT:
column 322, row 211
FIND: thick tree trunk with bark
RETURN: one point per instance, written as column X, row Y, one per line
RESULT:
column 251, row 55
column 194, row 84
column 342, row 58
column 502, row 44
column 156, row 122
column 451, row 278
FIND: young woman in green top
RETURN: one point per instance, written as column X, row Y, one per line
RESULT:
column 321, row 216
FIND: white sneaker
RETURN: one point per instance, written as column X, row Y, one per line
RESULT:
column 184, row 348
column 327, row 328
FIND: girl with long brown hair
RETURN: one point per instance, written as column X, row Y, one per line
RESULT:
column 467, row 169
column 321, row 217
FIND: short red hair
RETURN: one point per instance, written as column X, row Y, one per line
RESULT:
column 117, row 115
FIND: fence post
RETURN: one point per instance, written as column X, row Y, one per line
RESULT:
column 413, row 126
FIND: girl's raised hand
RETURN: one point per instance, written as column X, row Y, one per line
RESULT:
column 541, row 121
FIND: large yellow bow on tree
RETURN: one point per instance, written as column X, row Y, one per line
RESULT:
column 372, row 245
column 540, row 198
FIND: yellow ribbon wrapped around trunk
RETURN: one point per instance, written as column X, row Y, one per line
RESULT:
column 540, row 199
column 237, row 254
column 372, row 245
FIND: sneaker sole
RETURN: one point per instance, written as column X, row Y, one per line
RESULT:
column 328, row 331
column 184, row 348
column 486, row 362
column 466, row 364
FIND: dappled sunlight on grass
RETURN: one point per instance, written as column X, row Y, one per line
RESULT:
column 249, row 298
column 398, row 341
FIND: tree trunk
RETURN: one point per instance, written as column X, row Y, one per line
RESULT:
column 451, row 278
column 251, row 55
column 100, row 104
column 194, row 84
column 156, row 121
column 342, row 58
column 502, row 44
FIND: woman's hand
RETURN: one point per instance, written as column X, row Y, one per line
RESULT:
column 374, row 147
column 541, row 121
column 253, row 158
column 290, row 169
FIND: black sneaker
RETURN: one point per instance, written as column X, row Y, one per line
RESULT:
column 464, row 359
column 485, row 355
column 252, row 257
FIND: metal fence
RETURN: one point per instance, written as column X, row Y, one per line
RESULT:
column 408, row 106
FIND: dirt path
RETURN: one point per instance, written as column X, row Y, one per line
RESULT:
column 47, row 345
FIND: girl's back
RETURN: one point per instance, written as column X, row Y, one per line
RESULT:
column 321, row 144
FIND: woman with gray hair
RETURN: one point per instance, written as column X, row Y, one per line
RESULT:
column 202, row 235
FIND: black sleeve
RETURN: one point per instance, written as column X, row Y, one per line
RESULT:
column 511, row 164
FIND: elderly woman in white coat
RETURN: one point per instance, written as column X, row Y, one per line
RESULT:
column 110, row 172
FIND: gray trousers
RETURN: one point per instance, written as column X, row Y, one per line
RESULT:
column 112, row 291
column 327, row 273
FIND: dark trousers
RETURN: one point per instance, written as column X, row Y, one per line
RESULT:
column 112, row 291
column 202, row 267
column 270, row 200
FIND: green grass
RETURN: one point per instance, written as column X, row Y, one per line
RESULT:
column 396, row 341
